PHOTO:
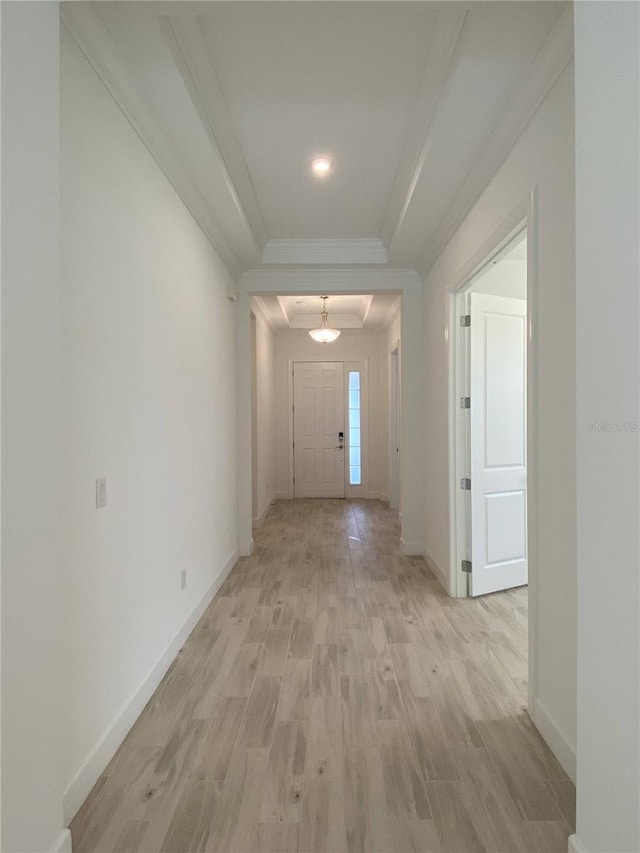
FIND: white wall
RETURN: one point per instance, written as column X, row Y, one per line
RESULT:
column 607, row 39
column 386, row 343
column 543, row 158
column 506, row 278
column 265, row 479
column 352, row 345
column 150, row 394
column 32, row 496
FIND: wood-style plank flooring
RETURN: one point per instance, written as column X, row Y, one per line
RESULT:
column 333, row 698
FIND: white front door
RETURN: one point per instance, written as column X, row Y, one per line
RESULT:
column 498, row 443
column 318, row 429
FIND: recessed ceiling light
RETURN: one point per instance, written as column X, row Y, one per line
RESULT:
column 321, row 166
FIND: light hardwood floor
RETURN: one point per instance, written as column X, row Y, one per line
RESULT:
column 333, row 698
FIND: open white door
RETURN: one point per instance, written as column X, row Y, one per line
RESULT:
column 318, row 429
column 498, row 443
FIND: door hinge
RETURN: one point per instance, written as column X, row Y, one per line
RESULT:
column 465, row 483
column 465, row 402
column 466, row 566
column 465, row 320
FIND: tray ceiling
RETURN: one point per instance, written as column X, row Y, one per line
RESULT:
column 413, row 101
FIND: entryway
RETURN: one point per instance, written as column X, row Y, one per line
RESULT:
column 490, row 444
column 330, row 429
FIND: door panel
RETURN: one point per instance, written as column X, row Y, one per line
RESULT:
column 498, row 443
column 318, row 418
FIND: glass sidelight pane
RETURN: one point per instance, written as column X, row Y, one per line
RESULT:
column 355, row 460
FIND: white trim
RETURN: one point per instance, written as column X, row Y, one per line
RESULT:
column 94, row 40
column 383, row 497
column 411, row 549
column 575, row 845
column 356, row 251
column 290, row 480
column 336, row 320
column 441, row 575
column 63, row 842
column 553, row 58
column 524, row 216
column 256, row 304
column 555, row 738
column 394, row 403
column 438, row 72
column 295, row 281
column 185, row 38
column 373, row 496
column 362, row 367
column 284, row 496
column 245, row 549
column 258, row 522
column 83, row 780
column 392, row 313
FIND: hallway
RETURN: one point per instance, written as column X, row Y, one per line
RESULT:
column 334, row 698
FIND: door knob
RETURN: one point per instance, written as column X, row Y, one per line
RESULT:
column 340, row 447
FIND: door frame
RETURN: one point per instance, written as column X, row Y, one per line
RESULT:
column 523, row 218
column 394, row 425
column 361, row 491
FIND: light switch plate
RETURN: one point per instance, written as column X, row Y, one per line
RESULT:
column 101, row 492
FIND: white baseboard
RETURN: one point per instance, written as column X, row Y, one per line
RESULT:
column 575, row 845
column 557, row 741
column 373, row 496
column 385, row 497
column 63, row 842
column 245, row 549
column 94, row 764
column 441, row 576
column 256, row 523
column 284, row 496
column 411, row 549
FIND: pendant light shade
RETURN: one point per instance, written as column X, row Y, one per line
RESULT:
column 324, row 334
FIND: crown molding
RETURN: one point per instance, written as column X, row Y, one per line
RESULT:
column 392, row 313
column 256, row 303
column 358, row 251
column 328, row 281
column 86, row 28
column 185, row 36
column 552, row 59
column 441, row 62
column 339, row 321
column 367, row 303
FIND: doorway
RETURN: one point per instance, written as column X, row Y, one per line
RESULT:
column 394, row 426
column 330, row 429
column 318, row 429
column 491, row 424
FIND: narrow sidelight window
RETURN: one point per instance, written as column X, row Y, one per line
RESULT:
column 355, row 459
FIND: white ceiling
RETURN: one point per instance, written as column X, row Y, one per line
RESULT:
column 414, row 101
column 354, row 311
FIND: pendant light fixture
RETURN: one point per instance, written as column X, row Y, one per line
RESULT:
column 324, row 334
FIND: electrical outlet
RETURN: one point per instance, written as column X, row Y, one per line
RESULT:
column 183, row 579
column 101, row 492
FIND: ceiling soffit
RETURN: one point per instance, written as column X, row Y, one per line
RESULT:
column 368, row 312
column 232, row 217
